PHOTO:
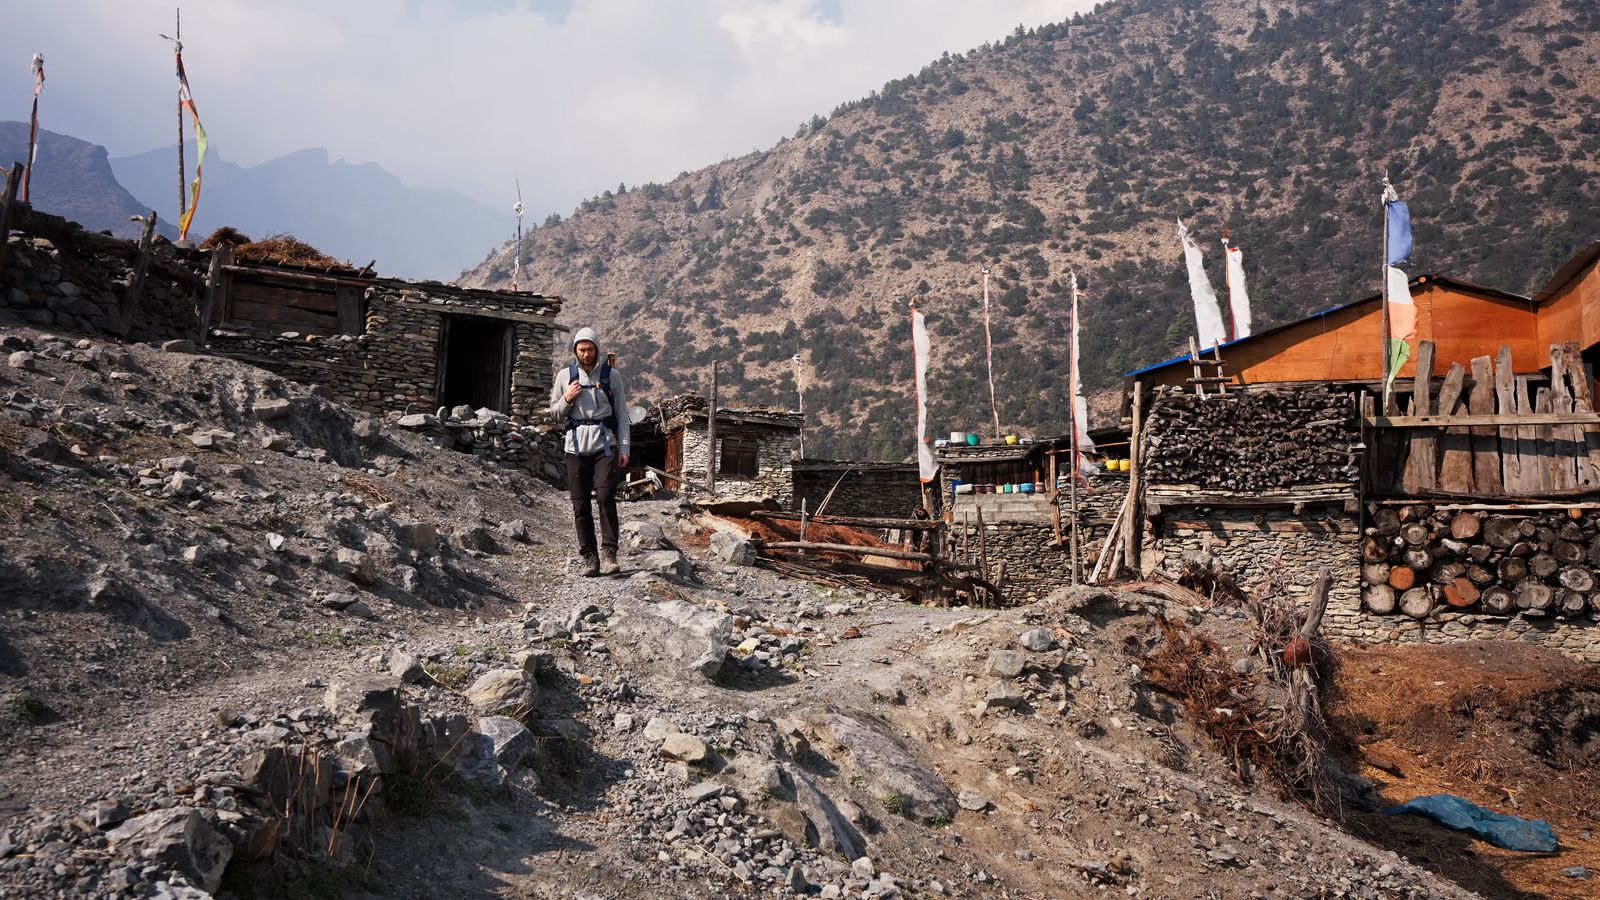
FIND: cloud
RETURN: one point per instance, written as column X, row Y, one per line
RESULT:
column 572, row 96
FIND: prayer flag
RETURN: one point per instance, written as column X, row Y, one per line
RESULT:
column 1402, row 322
column 920, row 346
column 1207, row 315
column 1398, row 226
column 1080, row 405
column 33, row 128
column 1238, row 297
column 186, row 102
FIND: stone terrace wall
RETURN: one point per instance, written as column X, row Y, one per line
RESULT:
column 1255, row 546
column 775, row 449
column 51, row 287
column 869, row 489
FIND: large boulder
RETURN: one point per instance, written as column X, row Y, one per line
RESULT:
column 731, row 548
column 180, row 838
column 679, row 638
column 488, row 756
column 887, row 766
column 666, row 562
column 504, row 691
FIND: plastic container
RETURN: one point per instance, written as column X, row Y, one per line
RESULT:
column 1026, row 487
column 972, row 440
column 964, row 488
column 1011, row 440
column 958, row 437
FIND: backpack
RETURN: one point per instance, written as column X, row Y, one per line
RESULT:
column 609, row 421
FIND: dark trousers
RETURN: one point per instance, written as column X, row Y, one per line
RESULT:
column 597, row 475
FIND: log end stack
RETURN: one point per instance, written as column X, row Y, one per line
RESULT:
column 1253, row 440
column 1419, row 561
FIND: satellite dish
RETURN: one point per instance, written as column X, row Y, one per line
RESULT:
column 636, row 415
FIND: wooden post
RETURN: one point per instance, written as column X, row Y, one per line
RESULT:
column 1072, row 479
column 711, row 436
column 983, row 547
column 1055, row 496
column 8, row 202
column 130, row 297
column 1130, row 525
column 802, row 518
column 213, row 292
column 1383, row 338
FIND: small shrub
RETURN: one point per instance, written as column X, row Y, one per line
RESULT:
column 29, row 708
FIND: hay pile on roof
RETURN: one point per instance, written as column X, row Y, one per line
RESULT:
column 228, row 235
column 279, row 248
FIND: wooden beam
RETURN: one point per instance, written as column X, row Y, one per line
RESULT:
column 854, row 521
column 1494, row 420
column 884, row 552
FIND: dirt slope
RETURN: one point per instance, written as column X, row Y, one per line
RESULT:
column 158, row 633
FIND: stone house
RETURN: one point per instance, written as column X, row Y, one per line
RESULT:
column 754, row 454
column 388, row 345
column 1296, row 468
column 872, row 489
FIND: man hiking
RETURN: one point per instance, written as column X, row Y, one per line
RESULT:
column 593, row 400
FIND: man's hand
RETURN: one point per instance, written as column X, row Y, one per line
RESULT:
column 622, row 460
column 573, row 390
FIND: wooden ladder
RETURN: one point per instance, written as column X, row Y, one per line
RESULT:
column 1200, row 379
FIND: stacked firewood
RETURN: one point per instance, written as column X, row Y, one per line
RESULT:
column 1420, row 561
column 1251, row 440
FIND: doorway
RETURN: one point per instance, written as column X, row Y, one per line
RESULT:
column 475, row 363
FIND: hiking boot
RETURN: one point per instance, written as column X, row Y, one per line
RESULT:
column 591, row 566
column 608, row 562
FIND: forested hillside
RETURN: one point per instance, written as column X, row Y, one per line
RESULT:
column 1076, row 147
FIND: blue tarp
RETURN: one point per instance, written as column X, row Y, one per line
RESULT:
column 1510, row 832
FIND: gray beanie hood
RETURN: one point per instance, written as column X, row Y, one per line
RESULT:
column 585, row 334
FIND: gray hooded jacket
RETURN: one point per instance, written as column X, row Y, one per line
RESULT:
column 585, row 435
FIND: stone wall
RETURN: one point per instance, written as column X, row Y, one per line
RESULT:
column 865, row 489
column 1257, row 545
column 49, row 287
column 775, row 449
column 1019, row 530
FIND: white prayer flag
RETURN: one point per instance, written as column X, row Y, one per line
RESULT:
column 920, row 345
column 1207, row 315
column 1238, row 297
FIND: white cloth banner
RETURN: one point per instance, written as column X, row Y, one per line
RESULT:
column 1238, row 297
column 919, row 343
column 1080, row 405
column 1207, row 314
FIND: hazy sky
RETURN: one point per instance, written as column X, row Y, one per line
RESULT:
column 573, row 96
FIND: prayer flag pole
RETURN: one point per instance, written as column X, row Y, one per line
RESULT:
column 988, row 343
column 1383, row 279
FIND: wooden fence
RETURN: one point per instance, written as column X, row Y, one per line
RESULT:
column 1495, row 435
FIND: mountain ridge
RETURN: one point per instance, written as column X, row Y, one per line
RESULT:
column 1073, row 147
column 73, row 178
column 354, row 211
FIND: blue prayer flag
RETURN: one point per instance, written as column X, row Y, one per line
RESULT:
column 1399, row 249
